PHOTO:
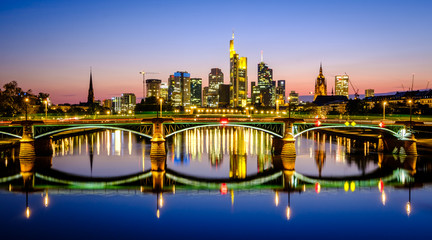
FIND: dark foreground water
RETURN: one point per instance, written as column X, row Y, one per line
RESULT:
column 335, row 192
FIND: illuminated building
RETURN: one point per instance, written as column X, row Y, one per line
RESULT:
column 265, row 84
column 224, row 95
column 164, row 91
column 206, row 96
column 256, row 98
column 153, row 87
column 179, row 89
column 238, row 78
column 280, row 89
column 90, row 97
column 116, row 105
column 196, row 90
column 171, row 84
column 369, row 93
column 320, row 85
column 128, row 102
column 341, row 85
column 107, row 103
column 215, row 78
column 294, row 98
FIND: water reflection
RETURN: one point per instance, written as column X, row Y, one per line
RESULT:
column 218, row 160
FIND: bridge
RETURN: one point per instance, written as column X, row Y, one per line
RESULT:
column 392, row 136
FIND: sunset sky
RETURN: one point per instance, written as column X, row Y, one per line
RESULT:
column 49, row 46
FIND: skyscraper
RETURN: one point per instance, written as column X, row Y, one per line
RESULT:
column 90, row 97
column 196, row 91
column 180, row 89
column 153, row 87
column 164, row 91
column 320, row 85
column 238, row 78
column 255, row 97
column 280, row 89
column 171, row 84
column 265, row 79
column 341, row 85
column 215, row 78
column 128, row 102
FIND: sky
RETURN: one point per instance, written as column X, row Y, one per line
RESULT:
column 50, row 45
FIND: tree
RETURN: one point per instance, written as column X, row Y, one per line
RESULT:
column 12, row 100
column 356, row 107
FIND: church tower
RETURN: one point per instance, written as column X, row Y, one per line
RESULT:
column 90, row 97
column 320, row 85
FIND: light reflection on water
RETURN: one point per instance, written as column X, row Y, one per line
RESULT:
column 207, row 152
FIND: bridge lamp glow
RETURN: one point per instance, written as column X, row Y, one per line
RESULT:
column 158, row 213
column 408, row 208
column 346, row 186
column 347, row 123
column 161, row 200
column 223, row 189
column 352, row 186
column 353, row 124
column 276, row 198
column 381, row 185
column 46, row 200
column 28, row 212
column 317, row 187
column 381, row 124
column 288, row 213
column 383, row 198
column 317, row 123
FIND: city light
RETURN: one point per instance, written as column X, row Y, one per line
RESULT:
column 28, row 212
column 223, row 189
column 317, row 187
column 276, row 198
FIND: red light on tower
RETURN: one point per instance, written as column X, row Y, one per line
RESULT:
column 381, row 124
column 223, row 189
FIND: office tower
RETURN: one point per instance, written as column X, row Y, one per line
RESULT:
column 280, row 89
column 196, row 90
column 90, row 97
column 164, row 91
column 294, row 98
column 215, row 78
column 107, row 103
column 238, row 78
column 179, row 86
column 224, row 95
column 255, row 97
column 153, row 87
column 369, row 93
column 320, row 85
column 171, row 84
column 265, row 84
column 341, row 85
column 116, row 106
column 128, row 102
column 206, row 97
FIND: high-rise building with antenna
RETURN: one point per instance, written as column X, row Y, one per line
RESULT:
column 238, row 78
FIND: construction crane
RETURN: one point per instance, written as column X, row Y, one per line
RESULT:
column 144, row 84
column 427, row 85
column 356, row 95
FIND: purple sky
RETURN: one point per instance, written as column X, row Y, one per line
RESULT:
column 49, row 46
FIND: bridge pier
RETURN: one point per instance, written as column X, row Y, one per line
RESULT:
column 158, row 137
column 408, row 143
column 286, row 146
column 158, row 165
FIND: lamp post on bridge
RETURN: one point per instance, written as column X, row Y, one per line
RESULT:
column 384, row 105
column 289, row 107
column 46, row 108
column 160, row 103
column 410, row 102
column 26, row 100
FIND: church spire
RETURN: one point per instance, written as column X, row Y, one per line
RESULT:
column 321, row 68
column 90, row 97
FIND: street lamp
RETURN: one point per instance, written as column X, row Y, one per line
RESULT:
column 26, row 103
column 410, row 121
column 289, row 107
column 384, row 104
column 46, row 108
column 160, row 103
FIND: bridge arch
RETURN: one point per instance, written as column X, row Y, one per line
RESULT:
column 393, row 133
column 225, row 125
column 10, row 134
column 50, row 133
